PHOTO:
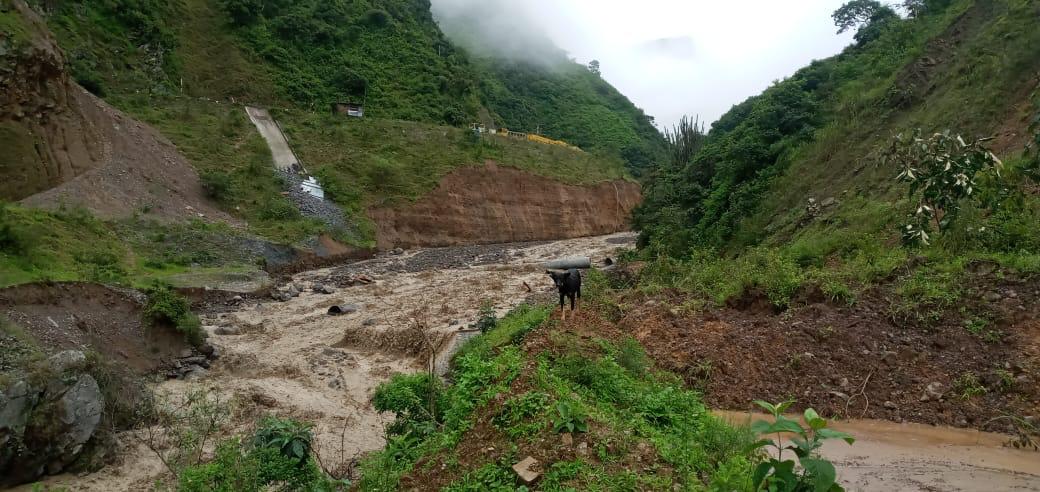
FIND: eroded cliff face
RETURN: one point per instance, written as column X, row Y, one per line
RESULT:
column 494, row 204
column 59, row 144
column 46, row 133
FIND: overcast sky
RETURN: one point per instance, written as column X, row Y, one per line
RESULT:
column 675, row 57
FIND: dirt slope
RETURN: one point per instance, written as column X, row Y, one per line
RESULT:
column 857, row 361
column 85, row 316
column 62, row 145
column 494, row 204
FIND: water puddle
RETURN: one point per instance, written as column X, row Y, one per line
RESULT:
column 889, row 456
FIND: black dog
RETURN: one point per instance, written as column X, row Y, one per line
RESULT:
column 569, row 284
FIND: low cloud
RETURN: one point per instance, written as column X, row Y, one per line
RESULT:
column 678, row 47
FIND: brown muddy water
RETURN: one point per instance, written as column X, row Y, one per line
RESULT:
column 889, row 456
column 293, row 359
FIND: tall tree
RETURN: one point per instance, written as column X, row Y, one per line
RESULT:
column 594, row 67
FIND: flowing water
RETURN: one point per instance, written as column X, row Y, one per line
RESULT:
column 292, row 358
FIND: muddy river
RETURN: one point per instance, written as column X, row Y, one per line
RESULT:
column 292, row 358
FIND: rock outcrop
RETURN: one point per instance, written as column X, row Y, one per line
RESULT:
column 46, row 425
column 497, row 204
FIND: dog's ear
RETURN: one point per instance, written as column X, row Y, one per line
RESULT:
column 549, row 273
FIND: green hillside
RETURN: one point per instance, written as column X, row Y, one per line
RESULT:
column 186, row 67
column 798, row 186
column 967, row 67
column 570, row 103
column 390, row 54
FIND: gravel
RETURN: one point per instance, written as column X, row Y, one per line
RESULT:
column 312, row 206
column 436, row 259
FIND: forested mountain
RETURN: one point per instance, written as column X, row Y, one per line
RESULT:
column 964, row 66
column 390, row 54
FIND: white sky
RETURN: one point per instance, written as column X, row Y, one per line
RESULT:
column 716, row 54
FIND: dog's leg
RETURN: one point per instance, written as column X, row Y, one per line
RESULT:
column 563, row 311
column 571, row 295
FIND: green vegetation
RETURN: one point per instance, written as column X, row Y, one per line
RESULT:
column 567, row 101
column 389, row 54
column 801, row 189
column 279, row 455
column 942, row 171
column 72, row 244
column 968, row 386
column 602, row 394
column 167, row 307
column 780, row 474
column 377, row 162
column 815, row 134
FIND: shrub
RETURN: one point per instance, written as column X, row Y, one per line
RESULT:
column 164, row 305
column 236, row 466
column 290, row 437
column 376, row 18
column 632, row 357
column 278, row 208
column 487, row 320
column 518, row 409
column 941, row 172
column 780, row 474
column 409, row 397
column 102, row 266
column 10, row 240
column 570, row 418
column 216, row 185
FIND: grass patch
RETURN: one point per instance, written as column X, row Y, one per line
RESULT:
column 72, row 244
column 602, row 393
column 167, row 307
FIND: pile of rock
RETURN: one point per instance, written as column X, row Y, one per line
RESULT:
column 192, row 363
column 312, row 206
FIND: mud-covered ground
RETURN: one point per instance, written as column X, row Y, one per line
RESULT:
column 293, row 359
column 859, row 361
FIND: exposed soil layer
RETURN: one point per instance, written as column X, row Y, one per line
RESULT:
column 496, row 204
column 91, row 317
column 858, row 361
column 63, row 145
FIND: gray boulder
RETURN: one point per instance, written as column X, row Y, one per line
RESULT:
column 82, row 406
column 46, row 431
column 16, row 403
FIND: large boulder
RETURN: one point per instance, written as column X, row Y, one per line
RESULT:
column 44, row 429
column 16, row 403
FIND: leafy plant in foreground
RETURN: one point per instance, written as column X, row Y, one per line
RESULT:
column 292, row 438
column 778, row 474
column 571, row 418
column 941, row 171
